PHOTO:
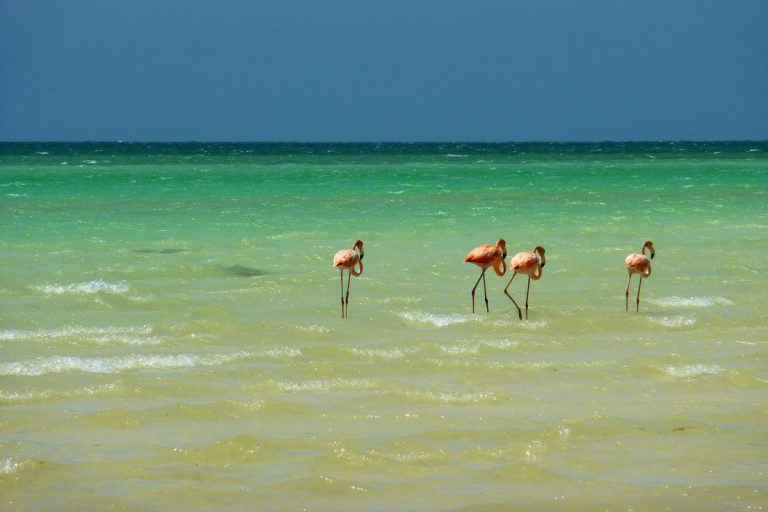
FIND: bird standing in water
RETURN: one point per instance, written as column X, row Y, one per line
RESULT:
column 348, row 259
column 638, row 263
column 488, row 256
column 529, row 263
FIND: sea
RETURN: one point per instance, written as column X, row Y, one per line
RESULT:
column 171, row 335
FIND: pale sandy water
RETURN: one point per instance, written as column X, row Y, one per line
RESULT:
column 171, row 335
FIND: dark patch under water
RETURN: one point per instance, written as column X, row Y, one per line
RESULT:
column 159, row 251
column 243, row 271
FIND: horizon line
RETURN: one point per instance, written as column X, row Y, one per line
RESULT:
column 195, row 141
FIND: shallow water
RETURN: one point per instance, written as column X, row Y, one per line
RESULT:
column 171, row 338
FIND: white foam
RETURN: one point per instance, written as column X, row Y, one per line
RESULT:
column 314, row 328
column 501, row 344
column 103, row 335
column 674, row 321
column 281, row 352
column 460, row 349
column 388, row 355
column 691, row 302
column 693, row 370
column 106, row 365
column 30, row 396
column 530, row 325
column 454, row 397
column 435, row 319
column 89, row 288
column 326, row 385
column 9, row 465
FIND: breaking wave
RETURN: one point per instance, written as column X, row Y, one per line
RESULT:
column 691, row 302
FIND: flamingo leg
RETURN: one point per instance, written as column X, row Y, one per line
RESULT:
column 626, row 294
column 349, row 278
column 475, row 288
column 638, row 293
column 519, row 313
column 341, row 275
column 527, row 291
column 485, row 292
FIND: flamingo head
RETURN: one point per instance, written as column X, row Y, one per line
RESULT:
column 649, row 245
column 359, row 246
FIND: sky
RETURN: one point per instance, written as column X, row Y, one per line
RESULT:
column 394, row 70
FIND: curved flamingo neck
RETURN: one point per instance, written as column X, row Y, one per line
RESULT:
column 358, row 272
column 500, row 267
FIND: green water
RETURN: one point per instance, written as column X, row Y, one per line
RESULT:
column 171, row 334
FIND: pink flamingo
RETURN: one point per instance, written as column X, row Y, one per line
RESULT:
column 486, row 256
column 530, row 264
column 348, row 259
column 638, row 263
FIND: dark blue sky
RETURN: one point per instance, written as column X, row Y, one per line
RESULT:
column 375, row 70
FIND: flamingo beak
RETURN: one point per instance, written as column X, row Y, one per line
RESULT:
column 542, row 265
column 653, row 254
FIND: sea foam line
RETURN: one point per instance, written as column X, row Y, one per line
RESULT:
column 89, row 288
column 674, row 321
column 129, row 335
column 691, row 302
column 435, row 319
column 693, row 370
column 106, row 365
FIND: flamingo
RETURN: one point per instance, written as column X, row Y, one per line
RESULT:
column 348, row 259
column 486, row 256
column 530, row 264
column 638, row 263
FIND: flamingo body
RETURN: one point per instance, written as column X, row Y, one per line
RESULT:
column 485, row 256
column 348, row 259
column 638, row 263
column 528, row 263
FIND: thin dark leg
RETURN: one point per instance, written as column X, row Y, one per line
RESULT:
column 349, row 278
column 475, row 288
column 626, row 294
column 638, row 293
column 341, row 274
column 526, row 297
column 485, row 292
column 519, row 313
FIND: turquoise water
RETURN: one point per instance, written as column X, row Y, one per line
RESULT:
column 171, row 334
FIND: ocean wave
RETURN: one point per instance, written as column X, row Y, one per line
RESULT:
column 314, row 328
column 89, row 288
column 102, row 335
column 530, row 325
column 107, row 365
column 435, row 319
column 11, row 465
column 691, row 302
column 501, row 344
column 451, row 397
column 35, row 396
column 280, row 353
column 693, row 370
column 325, row 385
column 462, row 349
column 674, row 321
column 386, row 354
